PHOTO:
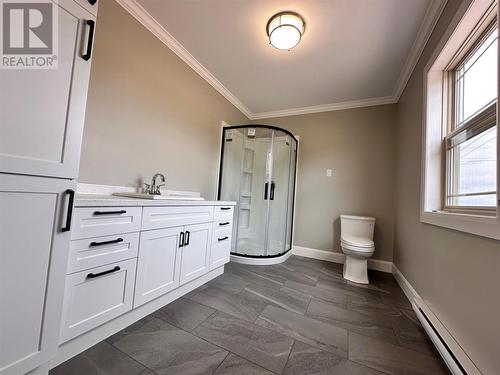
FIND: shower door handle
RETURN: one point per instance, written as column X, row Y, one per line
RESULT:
column 271, row 194
column 266, row 188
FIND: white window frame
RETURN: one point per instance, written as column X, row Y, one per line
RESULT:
column 435, row 118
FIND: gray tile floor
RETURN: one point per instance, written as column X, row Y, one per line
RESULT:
column 299, row 317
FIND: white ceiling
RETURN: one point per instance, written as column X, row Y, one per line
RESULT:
column 353, row 52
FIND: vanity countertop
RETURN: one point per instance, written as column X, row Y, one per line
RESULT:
column 96, row 200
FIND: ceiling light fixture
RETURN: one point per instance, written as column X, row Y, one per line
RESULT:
column 285, row 29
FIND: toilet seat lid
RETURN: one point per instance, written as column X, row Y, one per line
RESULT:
column 357, row 241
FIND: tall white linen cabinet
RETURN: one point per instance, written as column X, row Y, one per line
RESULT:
column 41, row 124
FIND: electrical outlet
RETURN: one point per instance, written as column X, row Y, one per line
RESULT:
column 329, row 173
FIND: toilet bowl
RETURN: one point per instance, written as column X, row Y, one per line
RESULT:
column 356, row 241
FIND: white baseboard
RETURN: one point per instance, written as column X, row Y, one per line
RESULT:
column 437, row 327
column 404, row 284
column 332, row 256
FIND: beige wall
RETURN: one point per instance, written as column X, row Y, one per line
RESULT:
column 358, row 145
column 148, row 112
column 457, row 274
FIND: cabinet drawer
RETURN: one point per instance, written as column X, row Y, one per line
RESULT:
column 222, row 226
column 96, row 296
column 222, row 213
column 166, row 217
column 105, row 221
column 99, row 251
column 221, row 249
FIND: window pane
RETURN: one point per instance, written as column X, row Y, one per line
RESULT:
column 473, row 167
column 486, row 200
column 477, row 80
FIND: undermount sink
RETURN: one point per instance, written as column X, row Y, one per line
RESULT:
column 169, row 196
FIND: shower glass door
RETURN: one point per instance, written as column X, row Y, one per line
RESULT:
column 254, row 189
column 278, row 196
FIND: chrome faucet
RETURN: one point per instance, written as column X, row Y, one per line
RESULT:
column 154, row 189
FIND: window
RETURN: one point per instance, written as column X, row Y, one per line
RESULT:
column 460, row 150
column 471, row 141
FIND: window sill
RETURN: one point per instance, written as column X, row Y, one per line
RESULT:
column 479, row 225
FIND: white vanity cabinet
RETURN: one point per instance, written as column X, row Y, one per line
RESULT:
column 172, row 254
column 125, row 259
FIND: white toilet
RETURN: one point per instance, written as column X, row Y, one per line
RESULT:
column 356, row 240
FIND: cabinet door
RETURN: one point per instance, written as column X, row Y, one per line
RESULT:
column 42, row 111
column 158, row 264
column 32, row 212
column 195, row 252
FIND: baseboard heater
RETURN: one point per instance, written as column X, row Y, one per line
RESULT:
column 452, row 353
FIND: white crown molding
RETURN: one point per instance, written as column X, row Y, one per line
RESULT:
column 325, row 107
column 141, row 15
column 431, row 17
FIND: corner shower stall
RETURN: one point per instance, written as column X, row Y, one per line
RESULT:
column 257, row 170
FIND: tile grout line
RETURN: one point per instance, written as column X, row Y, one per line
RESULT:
column 227, row 350
column 220, row 364
column 133, row 359
column 289, row 354
column 204, row 320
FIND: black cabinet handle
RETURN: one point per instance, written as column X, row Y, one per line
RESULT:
column 94, row 244
column 94, row 275
column 119, row 212
column 69, row 213
column 188, row 234
column 266, row 188
column 181, row 239
column 87, row 55
column 271, row 194
column 222, row 224
column 92, row 2
column 222, row 239
column 225, row 208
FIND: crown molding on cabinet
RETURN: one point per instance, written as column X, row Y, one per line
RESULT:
column 431, row 17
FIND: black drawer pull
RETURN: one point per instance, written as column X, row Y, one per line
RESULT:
column 225, row 208
column 181, row 239
column 222, row 239
column 92, row 2
column 88, row 54
column 93, row 244
column 69, row 213
column 110, row 212
column 222, row 224
column 94, row 275
column 188, row 234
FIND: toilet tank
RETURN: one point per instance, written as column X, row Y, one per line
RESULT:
column 358, row 226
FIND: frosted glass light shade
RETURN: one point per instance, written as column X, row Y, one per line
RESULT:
column 285, row 30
